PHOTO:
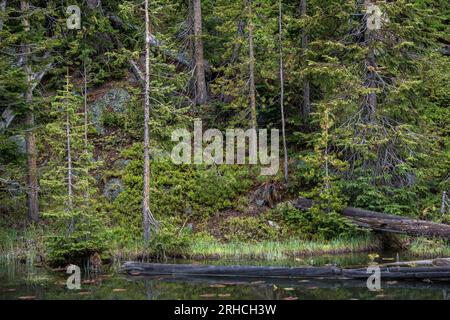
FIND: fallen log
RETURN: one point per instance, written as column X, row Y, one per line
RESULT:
column 386, row 222
column 331, row 272
column 433, row 262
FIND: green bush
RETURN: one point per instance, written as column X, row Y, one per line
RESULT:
column 113, row 119
column 178, row 190
column 89, row 237
column 314, row 224
column 247, row 229
column 170, row 240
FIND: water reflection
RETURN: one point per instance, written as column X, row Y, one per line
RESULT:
column 21, row 282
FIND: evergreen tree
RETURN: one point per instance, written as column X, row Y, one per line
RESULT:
column 67, row 181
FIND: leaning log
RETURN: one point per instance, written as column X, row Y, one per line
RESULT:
column 331, row 272
column 387, row 222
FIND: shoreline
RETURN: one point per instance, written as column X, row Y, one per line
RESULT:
column 30, row 249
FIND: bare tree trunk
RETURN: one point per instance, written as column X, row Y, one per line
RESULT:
column 444, row 202
column 86, row 119
column 283, row 122
column 252, row 92
column 201, row 95
column 85, row 107
column 306, row 105
column 2, row 10
column 146, row 201
column 69, row 161
column 30, row 137
column 371, row 65
column 148, row 219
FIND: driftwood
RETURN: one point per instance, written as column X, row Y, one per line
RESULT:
column 387, row 222
column 332, row 272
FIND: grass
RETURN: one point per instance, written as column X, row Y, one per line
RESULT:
column 28, row 246
column 22, row 246
column 272, row 250
column 433, row 248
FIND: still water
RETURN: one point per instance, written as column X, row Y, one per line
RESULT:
column 21, row 282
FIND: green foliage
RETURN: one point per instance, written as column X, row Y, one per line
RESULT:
column 171, row 240
column 392, row 157
column 430, row 247
column 194, row 191
column 112, row 119
column 8, row 150
column 76, row 247
column 71, row 204
column 247, row 229
column 312, row 224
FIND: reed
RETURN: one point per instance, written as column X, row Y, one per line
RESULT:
column 272, row 250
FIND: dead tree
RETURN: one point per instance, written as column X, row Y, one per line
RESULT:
column 201, row 95
column 283, row 122
column 148, row 219
column 251, row 53
column 69, row 207
column 30, row 137
column 306, row 105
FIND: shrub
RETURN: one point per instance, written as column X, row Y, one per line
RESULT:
column 78, row 246
column 170, row 240
column 248, row 229
column 178, row 190
column 313, row 224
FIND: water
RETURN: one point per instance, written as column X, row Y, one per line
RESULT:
column 22, row 282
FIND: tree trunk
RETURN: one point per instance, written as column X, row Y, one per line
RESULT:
column 252, row 89
column 444, row 204
column 306, row 105
column 85, row 107
column 69, row 162
column 30, row 137
column 371, row 100
column 2, row 10
column 146, row 201
column 283, row 122
column 333, row 272
column 148, row 219
column 201, row 95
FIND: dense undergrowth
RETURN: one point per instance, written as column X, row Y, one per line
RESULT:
column 390, row 156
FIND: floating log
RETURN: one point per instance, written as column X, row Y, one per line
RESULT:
column 333, row 272
column 433, row 262
column 386, row 222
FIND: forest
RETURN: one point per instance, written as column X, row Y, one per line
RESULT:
column 91, row 92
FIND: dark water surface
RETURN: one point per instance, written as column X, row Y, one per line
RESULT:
column 22, row 282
